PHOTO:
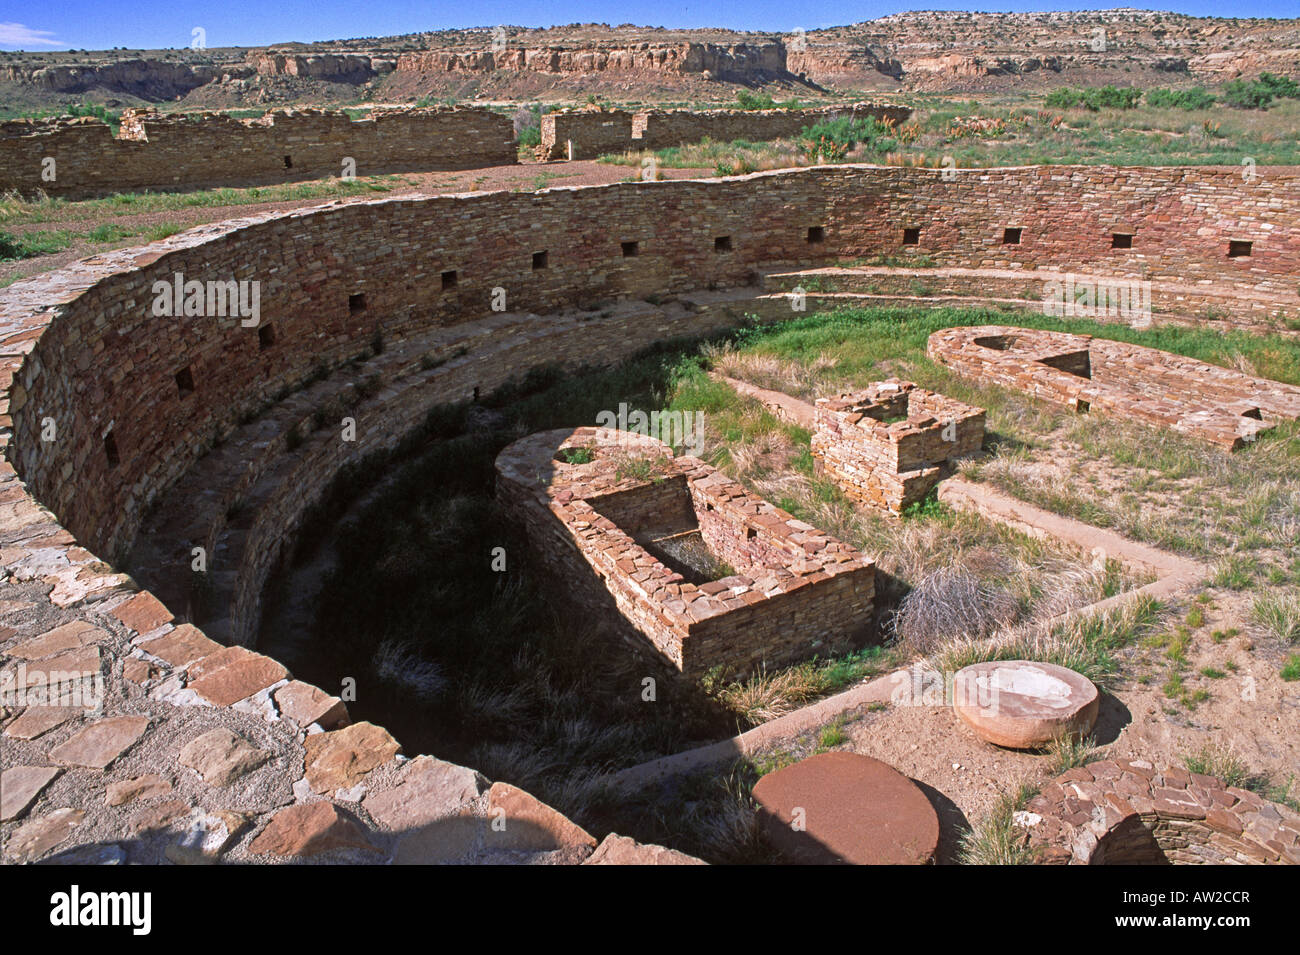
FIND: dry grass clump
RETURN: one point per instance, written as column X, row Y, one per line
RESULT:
column 1279, row 614
column 949, row 602
column 996, row 839
column 804, row 378
column 1087, row 643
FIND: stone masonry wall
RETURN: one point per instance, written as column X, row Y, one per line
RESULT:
column 1214, row 404
column 332, row 276
column 796, row 591
column 595, row 133
column 1115, row 812
column 886, row 462
column 201, row 150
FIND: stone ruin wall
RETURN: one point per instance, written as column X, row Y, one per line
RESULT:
column 79, row 348
column 808, row 593
column 204, row 150
column 892, row 465
column 1128, row 812
column 393, row 252
column 594, row 133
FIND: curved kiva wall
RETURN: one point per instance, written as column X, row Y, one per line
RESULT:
column 128, row 400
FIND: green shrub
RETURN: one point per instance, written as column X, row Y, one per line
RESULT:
column 1094, row 98
column 833, row 138
column 1164, row 98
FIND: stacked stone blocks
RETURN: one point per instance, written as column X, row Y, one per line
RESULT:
column 890, row 443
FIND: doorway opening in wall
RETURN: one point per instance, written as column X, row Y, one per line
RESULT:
column 110, row 450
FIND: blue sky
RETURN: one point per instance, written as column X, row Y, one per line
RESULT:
column 149, row 24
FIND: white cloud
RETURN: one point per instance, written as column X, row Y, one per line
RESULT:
column 22, row 37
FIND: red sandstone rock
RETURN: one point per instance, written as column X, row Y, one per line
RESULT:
column 220, row 757
column 427, row 789
column 309, row 829
column 180, row 646
column 19, row 787
column 142, row 613
column 232, row 674
column 40, row 719
column 38, row 836
column 70, row 636
column 122, row 791
column 306, row 704
column 341, row 759
column 1022, row 704
column 101, row 742
column 517, row 820
column 852, row 809
column 620, row 850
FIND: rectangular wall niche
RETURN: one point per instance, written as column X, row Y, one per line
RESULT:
column 540, row 261
column 449, row 279
column 816, row 233
column 1121, row 240
column 265, row 336
column 357, row 302
column 911, row 237
column 1238, row 248
column 185, row 381
column 110, row 450
column 722, row 243
column 1011, row 236
column 631, row 249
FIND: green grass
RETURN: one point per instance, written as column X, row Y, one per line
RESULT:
column 996, row 839
column 1290, row 670
column 23, row 211
column 29, row 245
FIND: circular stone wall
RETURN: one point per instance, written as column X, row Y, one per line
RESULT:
column 1117, row 812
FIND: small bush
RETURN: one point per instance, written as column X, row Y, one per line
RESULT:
column 1164, row 98
column 1094, row 98
column 1217, row 761
column 1279, row 614
column 948, row 603
column 996, row 839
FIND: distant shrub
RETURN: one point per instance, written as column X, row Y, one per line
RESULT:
column 832, row 139
column 1094, row 98
column 1164, row 98
column 1242, row 94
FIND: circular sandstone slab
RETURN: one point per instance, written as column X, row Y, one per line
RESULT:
column 1023, row 705
column 846, row 808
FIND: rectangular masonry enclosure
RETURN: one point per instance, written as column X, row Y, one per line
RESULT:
column 1086, row 374
column 688, row 566
column 890, row 443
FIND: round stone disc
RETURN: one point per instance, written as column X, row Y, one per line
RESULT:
column 1021, row 704
column 845, row 808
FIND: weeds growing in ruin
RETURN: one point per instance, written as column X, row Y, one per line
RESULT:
column 996, row 839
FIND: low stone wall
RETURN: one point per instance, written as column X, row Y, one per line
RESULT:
column 1128, row 812
column 595, row 133
column 1214, row 404
column 794, row 592
column 77, row 159
column 889, row 444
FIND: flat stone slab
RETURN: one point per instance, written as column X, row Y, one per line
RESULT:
column 427, row 790
column 220, row 757
column 101, row 742
column 341, row 759
column 620, row 850
column 1022, row 704
column 309, row 829
column 19, row 787
column 846, row 808
column 306, row 704
column 233, row 674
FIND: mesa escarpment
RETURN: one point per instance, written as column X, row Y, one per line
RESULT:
column 931, row 51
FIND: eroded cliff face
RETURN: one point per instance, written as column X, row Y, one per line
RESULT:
column 910, row 51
